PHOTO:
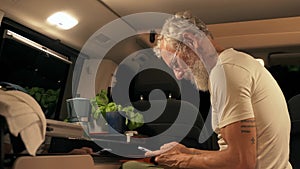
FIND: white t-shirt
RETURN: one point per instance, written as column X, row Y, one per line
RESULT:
column 242, row 88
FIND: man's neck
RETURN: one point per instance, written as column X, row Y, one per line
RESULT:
column 218, row 47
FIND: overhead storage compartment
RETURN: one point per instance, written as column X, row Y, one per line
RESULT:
column 259, row 33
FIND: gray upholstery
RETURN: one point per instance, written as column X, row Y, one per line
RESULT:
column 166, row 117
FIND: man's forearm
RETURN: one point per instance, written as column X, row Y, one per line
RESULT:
column 198, row 151
column 202, row 159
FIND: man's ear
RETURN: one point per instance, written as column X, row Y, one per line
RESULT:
column 190, row 40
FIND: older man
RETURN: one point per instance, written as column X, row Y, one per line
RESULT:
column 249, row 111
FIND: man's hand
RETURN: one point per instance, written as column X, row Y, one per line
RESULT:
column 168, row 148
column 172, row 154
column 240, row 138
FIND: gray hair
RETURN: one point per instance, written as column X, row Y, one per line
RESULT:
column 174, row 28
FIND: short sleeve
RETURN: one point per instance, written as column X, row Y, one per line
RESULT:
column 231, row 94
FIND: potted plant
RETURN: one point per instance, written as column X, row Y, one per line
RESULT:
column 47, row 99
column 113, row 112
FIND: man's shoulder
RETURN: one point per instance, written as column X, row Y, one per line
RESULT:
column 232, row 56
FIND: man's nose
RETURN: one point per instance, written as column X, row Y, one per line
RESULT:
column 178, row 74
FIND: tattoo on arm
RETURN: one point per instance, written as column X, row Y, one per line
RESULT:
column 246, row 125
column 248, row 121
column 253, row 140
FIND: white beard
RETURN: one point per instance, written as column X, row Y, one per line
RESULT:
column 198, row 76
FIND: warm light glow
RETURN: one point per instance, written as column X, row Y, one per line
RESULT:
column 62, row 20
column 261, row 61
column 36, row 45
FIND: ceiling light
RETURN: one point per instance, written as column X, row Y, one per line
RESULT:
column 62, row 20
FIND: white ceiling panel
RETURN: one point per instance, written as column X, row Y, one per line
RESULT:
column 94, row 14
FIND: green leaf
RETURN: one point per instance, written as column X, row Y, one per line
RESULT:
column 51, row 99
column 101, row 105
column 38, row 96
column 102, row 98
column 111, row 107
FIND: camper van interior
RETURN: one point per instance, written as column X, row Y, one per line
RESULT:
column 110, row 48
